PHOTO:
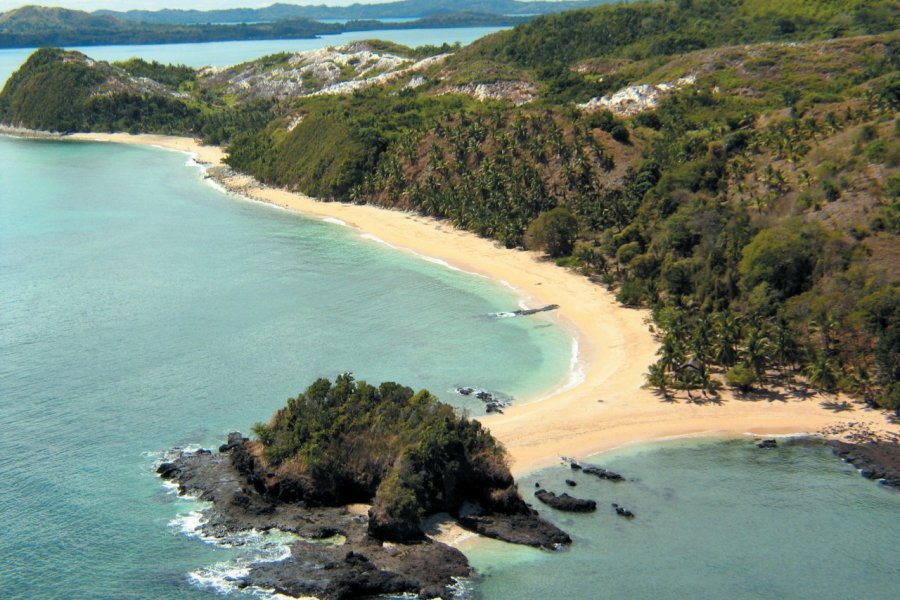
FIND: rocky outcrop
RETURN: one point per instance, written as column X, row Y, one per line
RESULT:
column 494, row 402
column 565, row 502
column 245, row 496
column 338, row 70
column 361, row 566
column 517, row 529
column 602, row 473
column 876, row 459
column 636, row 99
column 517, row 92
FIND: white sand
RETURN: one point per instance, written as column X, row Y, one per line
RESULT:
column 609, row 407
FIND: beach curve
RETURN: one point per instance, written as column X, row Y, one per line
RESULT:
column 608, row 407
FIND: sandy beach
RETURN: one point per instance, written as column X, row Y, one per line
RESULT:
column 608, row 407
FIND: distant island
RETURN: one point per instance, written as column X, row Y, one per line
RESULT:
column 402, row 453
column 35, row 26
column 404, row 9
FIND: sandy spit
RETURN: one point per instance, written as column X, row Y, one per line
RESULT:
column 608, row 408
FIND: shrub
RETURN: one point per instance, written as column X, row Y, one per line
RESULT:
column 741, row 376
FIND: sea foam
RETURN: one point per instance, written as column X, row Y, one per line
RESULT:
column 576, row 369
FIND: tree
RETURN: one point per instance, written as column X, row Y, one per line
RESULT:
column 783, row 257
column 727, row 336
column 784, row 346
column 756, row 350
column 657, row 378
column 820, row 372
column 553, row 231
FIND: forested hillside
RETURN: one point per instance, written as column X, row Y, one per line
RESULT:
column 731, row 164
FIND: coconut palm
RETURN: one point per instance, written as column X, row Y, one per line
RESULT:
column 821, row 372
column 756, row 349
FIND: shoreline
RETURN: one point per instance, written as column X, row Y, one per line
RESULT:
column 607, row 407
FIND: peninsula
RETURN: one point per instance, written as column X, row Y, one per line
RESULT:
column 347, row 443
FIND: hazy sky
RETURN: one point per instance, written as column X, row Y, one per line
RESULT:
column 158, row 4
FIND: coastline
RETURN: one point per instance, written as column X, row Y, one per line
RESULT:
column 608, row 407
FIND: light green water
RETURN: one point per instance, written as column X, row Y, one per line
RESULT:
column 142, row 309
column 714, row 519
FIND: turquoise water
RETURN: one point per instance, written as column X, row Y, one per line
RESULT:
column 715, row 519
column 142, row 308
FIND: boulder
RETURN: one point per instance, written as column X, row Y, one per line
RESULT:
column 565, row 502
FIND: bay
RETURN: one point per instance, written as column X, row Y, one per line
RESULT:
column 143, row 309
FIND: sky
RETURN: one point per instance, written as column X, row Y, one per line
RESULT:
column 91, row 5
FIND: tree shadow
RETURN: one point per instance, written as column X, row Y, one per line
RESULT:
column 801, row 391
column 764, row 395
column 667, row 396
column 838, row 407
column 699, row 397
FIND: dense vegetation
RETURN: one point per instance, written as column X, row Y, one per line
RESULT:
column 756, row 211
column 404, row 451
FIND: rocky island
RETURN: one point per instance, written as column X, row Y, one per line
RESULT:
column 405, row 454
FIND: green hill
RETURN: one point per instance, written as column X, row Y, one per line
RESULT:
column 732, row 164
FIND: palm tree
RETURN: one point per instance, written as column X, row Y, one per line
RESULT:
column 820, row 372
column 756, row 349
column 656, row 377
column 701, row 346
column 784, row 346
column 727, row 334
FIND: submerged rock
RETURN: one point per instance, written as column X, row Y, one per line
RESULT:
column 622, row 511
column 768, row 444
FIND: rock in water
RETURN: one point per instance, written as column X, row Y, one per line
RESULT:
column 565, row 502
column 768, row 444
column 602, row 473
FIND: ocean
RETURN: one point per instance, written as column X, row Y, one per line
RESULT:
column 142, row 308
